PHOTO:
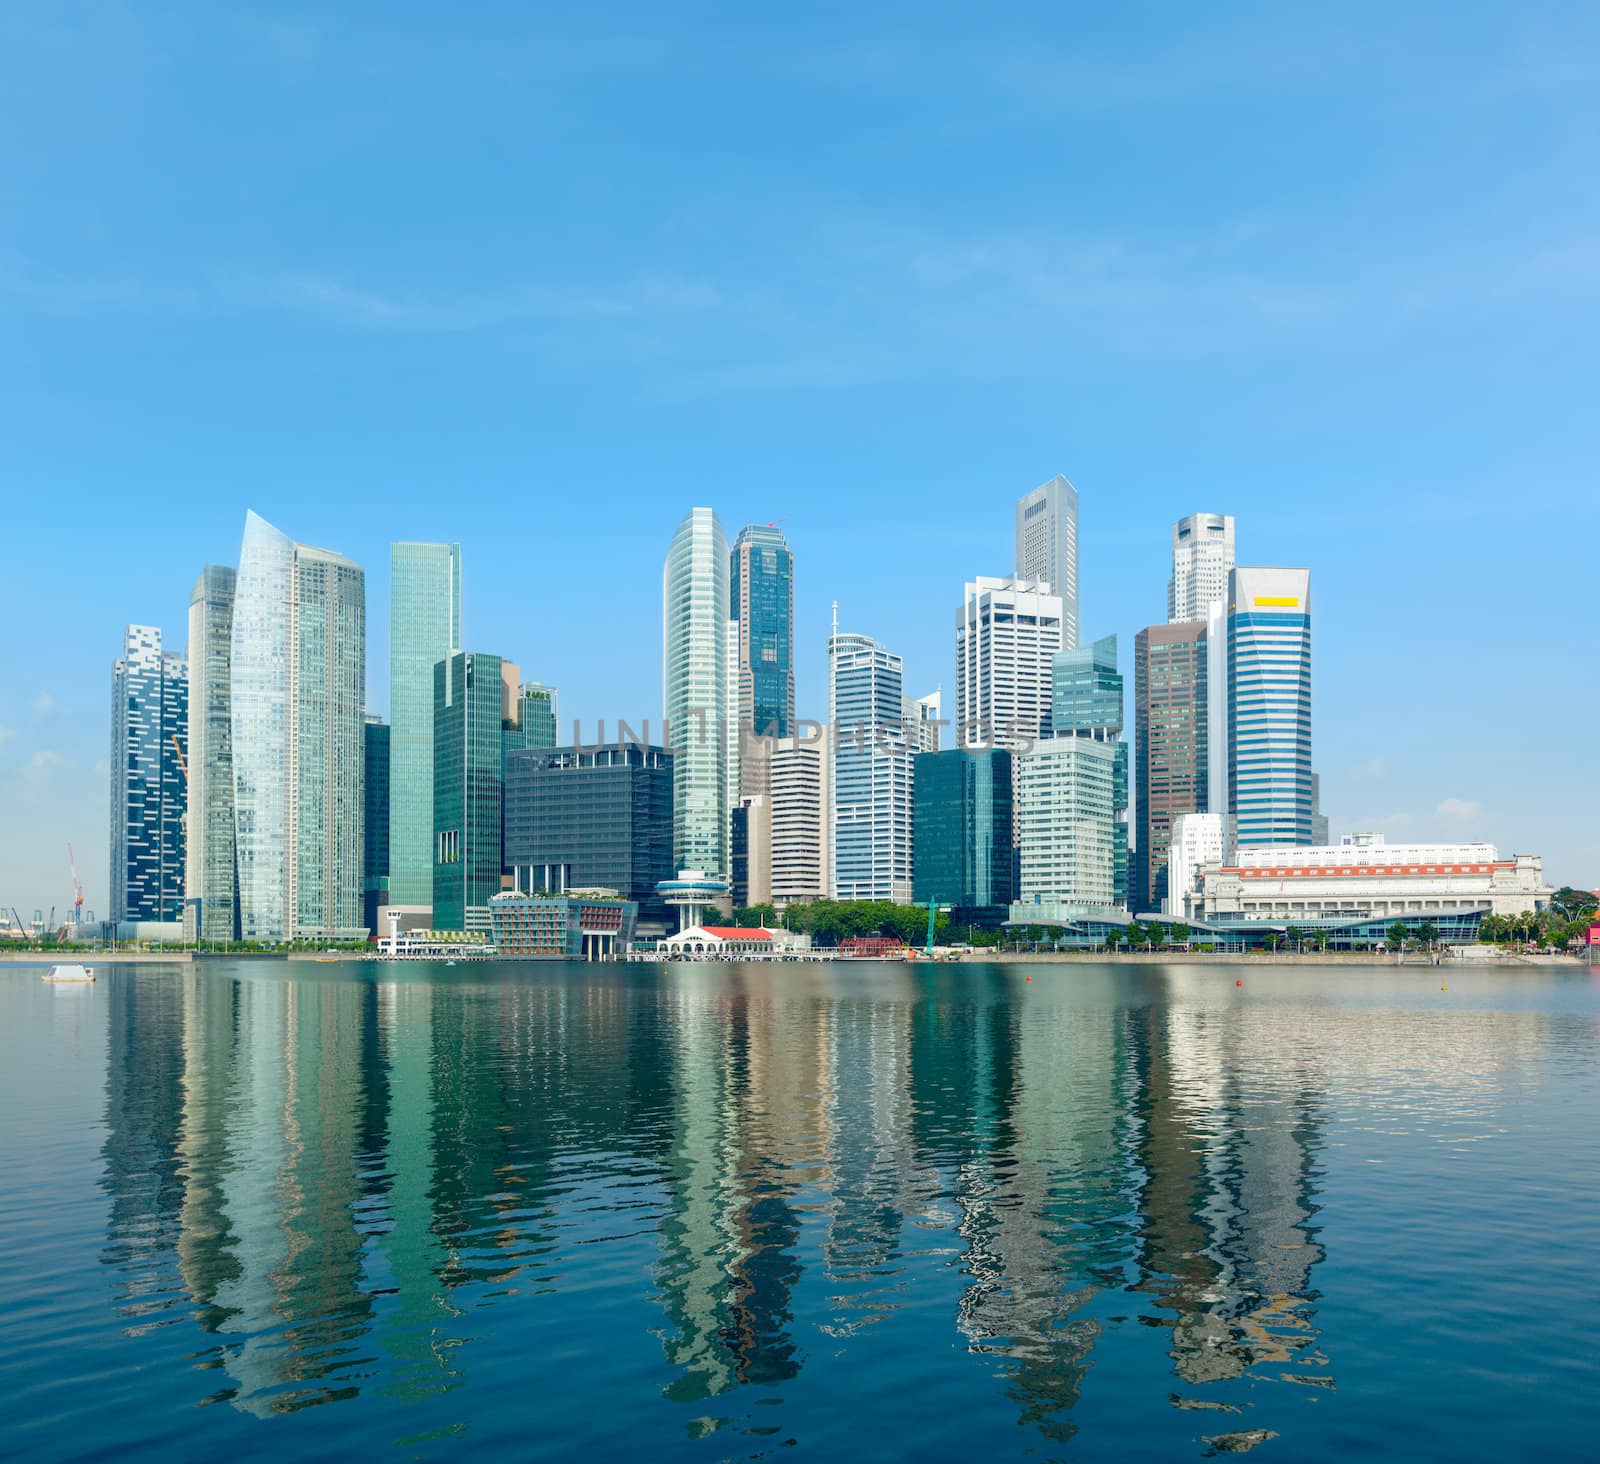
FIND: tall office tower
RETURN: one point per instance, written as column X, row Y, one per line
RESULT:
column 1066, row 793
column 375, row 819
column 733, row 739
column 1007, row 634
column 1319, row 820
column 1198, row 839
column 472, row 743
column 870, row 848
column 750, row 850
column 761, row 603
column 538, row 714
column 211, row 882
column 592, row 818
column 424, row 629
column 1170, row 745
column 1086, row 703
column 1047, row 547
column 695, row 665
column 1202, row 560
column 1269, row 706
column 299, row 659
column 1217, row 683
column 923, row 720
column 800, row 788
column 963, row 833
column 149, row 746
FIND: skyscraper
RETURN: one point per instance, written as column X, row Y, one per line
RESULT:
column 1086, row 703
column 1007, row 634
column 1170, row 741
column 761, row 603
column 1269, row 706
column 1202, row 559
column 1047, row 547
column 963, row 832
column 471, row 697
column 149, row 744
column 299, row 656
column 871, row 848
column 375, row 821
column 538, row 714
column 801, row 790
column 211, row 883
column 695, row 665
column 424, row 629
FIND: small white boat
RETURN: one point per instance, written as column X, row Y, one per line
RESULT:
column 69, row 974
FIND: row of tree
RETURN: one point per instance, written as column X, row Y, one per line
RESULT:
column 829, row 922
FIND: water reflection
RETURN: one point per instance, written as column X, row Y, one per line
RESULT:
column 340, row 1180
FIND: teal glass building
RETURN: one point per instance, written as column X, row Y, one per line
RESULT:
column 469, row 749
column 375, row 869
column 1269, row 706
column 1086, row 697
column 962, row 833
column 761, row 599
column 424, row 629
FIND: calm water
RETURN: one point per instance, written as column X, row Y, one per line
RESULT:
column 256, row 1210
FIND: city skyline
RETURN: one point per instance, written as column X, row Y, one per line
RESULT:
column 875, row 319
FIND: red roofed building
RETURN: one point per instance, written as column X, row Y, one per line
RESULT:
column 719, row 940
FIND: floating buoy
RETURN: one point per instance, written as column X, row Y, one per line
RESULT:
column 1238, row 983
column 1028, row 978
column 1444, row 988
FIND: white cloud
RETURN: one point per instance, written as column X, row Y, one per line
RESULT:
column 1373, row 767
column 46, row 757
column 43, row 703
column 1459, row 808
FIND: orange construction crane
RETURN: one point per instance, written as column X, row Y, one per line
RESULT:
column 183, row 767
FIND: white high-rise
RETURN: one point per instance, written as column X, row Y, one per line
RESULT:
column 696, row 670
column 1047, row 547
column 1202, row 557
column 870, row 848
column 799, row 814
column 1008, row 632
column 298, row 665
column 211, row 893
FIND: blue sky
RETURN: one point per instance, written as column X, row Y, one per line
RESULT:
column 542, row 280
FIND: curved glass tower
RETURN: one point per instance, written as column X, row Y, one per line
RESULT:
column 694, row 678
column 299, row 687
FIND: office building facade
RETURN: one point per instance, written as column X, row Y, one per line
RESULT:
column 1047, row 547
column 800, row 797
column 1086, row 703
column 538, row 714
column 1269, row 706
column 696, row 663
column 1170, row 746
column 149, row 797
column 962, row 833
column 211, row 882
column 761, row 603
column 870, row 849
column 375, row 801
column 1198, row 840
column 1202, row 560
column 424, row 629
column 592, row 818
column 1066, row 793
column 1008, row 632
column 471, row 698
column 299, row 656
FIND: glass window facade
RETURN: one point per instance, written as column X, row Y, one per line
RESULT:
column 468, row 789
column 211, row 895
column 149, row 799
column 1171, row 743
column 871, row 849
column 963, row 832
column 375, row 881
column 761, row 593
column 424, row 629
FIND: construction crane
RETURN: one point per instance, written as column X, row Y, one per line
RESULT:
column 77, row 889
column 183, row 767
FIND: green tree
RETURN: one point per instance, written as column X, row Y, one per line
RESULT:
column 1180, row 933
column 1428, row 934
column 1115, row 937
column 1398, row 935
column 1295, row 936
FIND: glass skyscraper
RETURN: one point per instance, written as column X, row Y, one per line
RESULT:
column 299, row 655
column 1170, row 739
column 871, row 849
column 424, row 629
column 962, row 832
column 149, row 743
column 761, row 599
column 375, row 796
column 211, row 887
column 695, row 665
column 469, row 755
column 1269, row 706
column 1086, row 702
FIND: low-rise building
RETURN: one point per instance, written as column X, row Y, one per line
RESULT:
column 592, row 925
column 1363, row 875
